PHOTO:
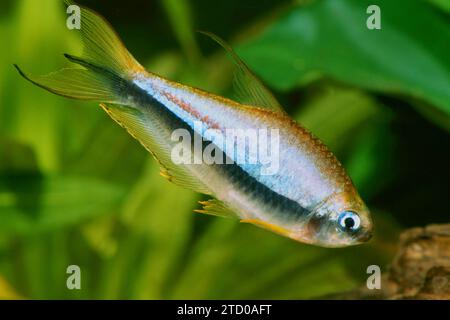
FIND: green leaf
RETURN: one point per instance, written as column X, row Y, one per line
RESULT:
column 179, row 14
column 33, row 203
column 333, row 112
column 7, row 292
column 409, row 55
column 442, row 4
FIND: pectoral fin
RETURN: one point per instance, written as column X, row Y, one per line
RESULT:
column 216, row 208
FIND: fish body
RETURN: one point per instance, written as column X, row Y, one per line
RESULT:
column 309, row 196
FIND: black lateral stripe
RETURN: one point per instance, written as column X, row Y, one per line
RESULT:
column 236, row 174
column 279, row 203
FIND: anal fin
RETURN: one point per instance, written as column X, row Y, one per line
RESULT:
column 145, row 131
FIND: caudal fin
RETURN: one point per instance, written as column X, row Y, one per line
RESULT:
column 106, row 65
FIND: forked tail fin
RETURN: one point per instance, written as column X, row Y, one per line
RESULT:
column 107, row 65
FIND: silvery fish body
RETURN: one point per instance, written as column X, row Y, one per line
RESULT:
column 302, row 193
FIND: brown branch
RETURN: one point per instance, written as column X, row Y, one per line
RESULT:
column 420, row 269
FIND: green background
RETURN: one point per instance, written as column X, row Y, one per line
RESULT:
column 76, row 189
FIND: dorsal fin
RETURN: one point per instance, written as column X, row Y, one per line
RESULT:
column 249, row 89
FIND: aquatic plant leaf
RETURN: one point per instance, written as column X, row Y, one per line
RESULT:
column 408, row 56
column 31, row 204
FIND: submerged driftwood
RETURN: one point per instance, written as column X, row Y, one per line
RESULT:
column 420, row 269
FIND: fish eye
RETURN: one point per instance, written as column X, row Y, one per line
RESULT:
column 349, row 221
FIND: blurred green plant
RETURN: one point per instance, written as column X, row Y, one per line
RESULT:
column 76, row 189
column 408, row 56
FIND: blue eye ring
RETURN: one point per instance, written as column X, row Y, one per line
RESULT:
column 349, row 221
